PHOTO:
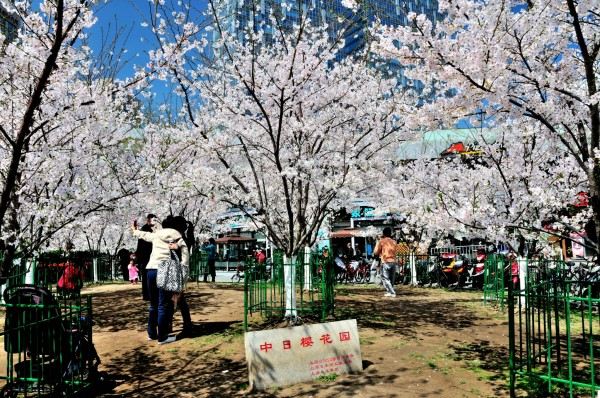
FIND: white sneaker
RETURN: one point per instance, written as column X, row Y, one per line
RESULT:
column 389, row 295
column 168, row 340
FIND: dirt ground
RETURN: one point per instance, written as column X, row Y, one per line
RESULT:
column 423, row 343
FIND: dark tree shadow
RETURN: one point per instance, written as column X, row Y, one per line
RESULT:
column 195, row 371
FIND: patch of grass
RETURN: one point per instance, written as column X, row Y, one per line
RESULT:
column 535, row 387
column 327, row 378
column 474, row 364
column 364, row 340
column 211, row 339
column 416, row 355
column 400, row 344
column 482, row 374
column 436, row 363
column 224, row 338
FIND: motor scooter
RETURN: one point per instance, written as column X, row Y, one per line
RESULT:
column 341, row 270
column 454, row 270
column 362, row 271
column 478, row 270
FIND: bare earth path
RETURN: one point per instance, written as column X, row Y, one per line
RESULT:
column 423, row 343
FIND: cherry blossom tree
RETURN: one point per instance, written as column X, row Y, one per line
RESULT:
column 63, row 143
column 498, row 193
column 286, row 130
column 532, row 67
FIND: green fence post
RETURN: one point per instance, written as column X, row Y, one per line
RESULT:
column 511, row 340
column 591, row 321
column 567, row 299
column 246, row 301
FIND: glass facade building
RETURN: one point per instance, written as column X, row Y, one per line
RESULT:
column 239, row 17
column 9, row 23
column 242, row 16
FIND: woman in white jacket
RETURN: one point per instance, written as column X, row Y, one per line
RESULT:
column 161, row 307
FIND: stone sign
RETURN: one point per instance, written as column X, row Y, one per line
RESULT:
column 285, row 356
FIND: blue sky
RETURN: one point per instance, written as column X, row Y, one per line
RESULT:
column 128, row 17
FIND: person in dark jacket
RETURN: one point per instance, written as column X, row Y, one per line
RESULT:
column 189, row 238
column 143, row 251
column 211, row 251
column 123, row 256
column 181, row 225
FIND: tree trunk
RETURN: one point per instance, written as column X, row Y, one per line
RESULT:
column 594, row 184
column 289, row 276
column 307, row 270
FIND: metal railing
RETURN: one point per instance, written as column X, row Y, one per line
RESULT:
column 553, row 321
column 96, row 267
column 313, row 285
column 469, row 251
column 48, row 342
column 198, row 265
column 496, row 275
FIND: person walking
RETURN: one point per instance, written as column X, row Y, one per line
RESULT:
column 386, row 250
column 160, row 311
column 211, row 251
column 143, row 251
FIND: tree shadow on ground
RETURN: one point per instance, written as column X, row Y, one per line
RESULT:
column 408, row 313
column 207, row 328
column 184, row 374
column 125, row 310
column 481, row 355
column 205, row 367
column 174, row 370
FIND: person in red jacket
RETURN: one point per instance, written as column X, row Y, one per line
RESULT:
column 71, row 279
column 260, row 256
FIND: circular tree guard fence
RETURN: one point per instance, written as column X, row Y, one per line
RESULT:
column 313, row 279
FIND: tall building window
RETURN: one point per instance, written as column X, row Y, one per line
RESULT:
column 8, row 24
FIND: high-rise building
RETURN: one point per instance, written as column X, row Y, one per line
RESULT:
column 241, row 16
column 9, row 22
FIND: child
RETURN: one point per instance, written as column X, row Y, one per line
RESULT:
column 133, row 272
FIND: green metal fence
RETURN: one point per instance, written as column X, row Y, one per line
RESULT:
column 554, row 342
column 47, row 334
column 313, row 280
column 198, row 265
column 496, row 275
column 47, row 339
column 96, row 267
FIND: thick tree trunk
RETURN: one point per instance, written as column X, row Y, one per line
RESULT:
column 594, row 184
column 25, row 128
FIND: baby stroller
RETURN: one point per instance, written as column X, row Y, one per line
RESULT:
column 49, row 350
